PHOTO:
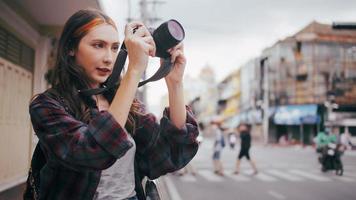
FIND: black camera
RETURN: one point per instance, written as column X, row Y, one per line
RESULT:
column 166, row 36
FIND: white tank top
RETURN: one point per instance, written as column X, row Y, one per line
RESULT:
column 118, row 181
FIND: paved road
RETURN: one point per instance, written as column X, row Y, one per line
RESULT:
column 289, row 173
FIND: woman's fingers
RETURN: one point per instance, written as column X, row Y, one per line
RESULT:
column 152, row 46
column 176, row 51
column 139, row 34
column 137, row 29
column 179, row 46
column 130, row 27
column 142, row 31
column 175, row 55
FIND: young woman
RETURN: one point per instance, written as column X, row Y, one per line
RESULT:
column 108, row 138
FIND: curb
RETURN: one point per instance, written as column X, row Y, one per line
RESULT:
column 167, row 189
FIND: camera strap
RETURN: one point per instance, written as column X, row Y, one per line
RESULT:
column 114, row 78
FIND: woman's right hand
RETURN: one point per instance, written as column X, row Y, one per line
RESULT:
column 139, row 44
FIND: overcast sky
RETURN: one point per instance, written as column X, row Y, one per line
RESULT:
column 227, row 33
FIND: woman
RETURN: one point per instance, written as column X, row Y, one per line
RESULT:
column 219, row 144
column 107, row 137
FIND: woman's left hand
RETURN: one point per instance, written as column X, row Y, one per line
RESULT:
column 179, row 61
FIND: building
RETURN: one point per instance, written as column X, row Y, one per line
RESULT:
column 29, row 30
column 302, row 84
column 311, row 76
column 240, row 95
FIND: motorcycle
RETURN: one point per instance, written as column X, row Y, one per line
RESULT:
column 330, row 158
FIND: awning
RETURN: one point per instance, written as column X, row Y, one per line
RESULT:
column 296, row 115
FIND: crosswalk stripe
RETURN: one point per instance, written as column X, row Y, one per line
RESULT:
column 284, row 175
column 276, row 195
column 209, row 175
column 264, row 177
column 237, row 177
column 270, row 175
column 309, row 175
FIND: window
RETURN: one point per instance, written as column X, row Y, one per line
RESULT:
column 16, row 51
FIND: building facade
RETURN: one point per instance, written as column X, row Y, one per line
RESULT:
column 29, row 31
column 301, row 85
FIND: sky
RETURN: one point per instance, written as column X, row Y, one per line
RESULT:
column 225, row 34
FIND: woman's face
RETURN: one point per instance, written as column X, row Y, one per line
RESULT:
column 97, row 52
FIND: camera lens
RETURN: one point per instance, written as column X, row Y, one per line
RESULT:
column 175, row 30
column 166, row 36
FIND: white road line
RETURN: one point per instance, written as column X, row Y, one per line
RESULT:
column 264, row 177
column 237, row 177
column 209, row 175
column 284, row 175
column 276, row 195
column 172, row 190
column 310, row 175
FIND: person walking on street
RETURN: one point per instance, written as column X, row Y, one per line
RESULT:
column 219, row 144
column 245, row 137
column 345, row 140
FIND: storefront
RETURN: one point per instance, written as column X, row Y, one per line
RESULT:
column 298, row 123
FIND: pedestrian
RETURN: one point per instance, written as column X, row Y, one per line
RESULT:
column 102, row 146
column 219, row 144
column 245, row 137
column 345, row 140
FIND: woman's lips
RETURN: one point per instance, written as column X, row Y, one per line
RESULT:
column 103, row 70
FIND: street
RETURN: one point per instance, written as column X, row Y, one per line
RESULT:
column 290, row 173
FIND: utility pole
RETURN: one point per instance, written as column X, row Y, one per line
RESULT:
column 148, row 19
column 264, row 64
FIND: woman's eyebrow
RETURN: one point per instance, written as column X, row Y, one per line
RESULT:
column 106, row 42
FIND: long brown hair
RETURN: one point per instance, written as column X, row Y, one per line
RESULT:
column 67, row 77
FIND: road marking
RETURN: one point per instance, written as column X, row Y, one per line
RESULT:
column 264, row 177
column 284, row 175
column 209, row 175
column 309, row 175
column 276, row 195
column 237, row 177
column 172, row 190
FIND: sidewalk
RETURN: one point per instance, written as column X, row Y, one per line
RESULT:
column 14, row 193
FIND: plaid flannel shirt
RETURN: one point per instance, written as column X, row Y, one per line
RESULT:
column 76, row 152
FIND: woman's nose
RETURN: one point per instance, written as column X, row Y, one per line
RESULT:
column 108, row 57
